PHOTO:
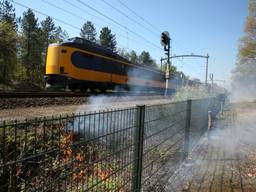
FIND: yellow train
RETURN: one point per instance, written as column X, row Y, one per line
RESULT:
column 81, row 64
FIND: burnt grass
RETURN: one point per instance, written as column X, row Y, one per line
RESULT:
column 46, row 156
column 225, row 161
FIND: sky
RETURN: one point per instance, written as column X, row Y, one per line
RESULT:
column 200, row 27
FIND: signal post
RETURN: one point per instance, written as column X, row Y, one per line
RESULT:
column 165, row 42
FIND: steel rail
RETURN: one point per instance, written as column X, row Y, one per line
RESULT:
column 69, row 94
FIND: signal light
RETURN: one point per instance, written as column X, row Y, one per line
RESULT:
column 165, row 39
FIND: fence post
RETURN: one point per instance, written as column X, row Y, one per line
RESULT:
column 187, row 128
column 138, row 148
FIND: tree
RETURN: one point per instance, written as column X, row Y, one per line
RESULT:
column 146, row 59
column 88, row 31
column 60, row 35
column 8, row 41
column 245, row 71
column 48, row 29
column 8, row 57
column 107, row 39
column 31, row 47
column 133, row 57
column 123, row 53
column 172, row 69
column 7, row 12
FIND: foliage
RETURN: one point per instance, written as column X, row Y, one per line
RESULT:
column 48, row 29
column 191, row 92
column 35, row 39
column 60, row 35
column 31, row 47
column 172, row 70
column 24, row 46
column 88, row 31
column 7, row 12
column 107, row 39
column 50, row 34
column 133, row 57
column 47, row 156
column 7, row 51
column 122, row 52
column 8, row 42
column 22, row 54
column 245, row 71
column 146, row 59
column 197, row 91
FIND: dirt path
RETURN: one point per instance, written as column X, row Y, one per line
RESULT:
column 95, row 104
column 224, row 161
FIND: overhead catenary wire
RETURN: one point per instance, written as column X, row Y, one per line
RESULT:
column 114, row 21
column 130, row 18
column 84, row 19
column 66, row 23
column 149, row 23
column 41, row 13
column 103, row 21
column 189, row 65
column 83, row 10
column 136, row 14
column 73, row 14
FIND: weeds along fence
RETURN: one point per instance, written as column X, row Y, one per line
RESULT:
column 132, row 149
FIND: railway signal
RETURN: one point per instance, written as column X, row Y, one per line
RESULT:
column 165, row 38
column 165, row 42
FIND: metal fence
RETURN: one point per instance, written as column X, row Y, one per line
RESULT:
column 132, row 149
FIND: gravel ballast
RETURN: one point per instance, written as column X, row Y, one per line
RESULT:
column 54, row 107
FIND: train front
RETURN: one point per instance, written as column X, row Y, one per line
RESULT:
column 55, row 74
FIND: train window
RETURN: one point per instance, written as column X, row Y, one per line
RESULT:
column 82, row 60
column 116, row 67
column 91, row 62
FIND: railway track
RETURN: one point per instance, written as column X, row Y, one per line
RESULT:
column 40, row 94
column 70, row 94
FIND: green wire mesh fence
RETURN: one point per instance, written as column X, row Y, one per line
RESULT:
column 115, row 150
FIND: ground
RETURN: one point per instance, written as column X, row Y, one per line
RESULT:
column 224, row 160
column 92, row 104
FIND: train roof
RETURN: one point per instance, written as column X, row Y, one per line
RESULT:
column 81, row 43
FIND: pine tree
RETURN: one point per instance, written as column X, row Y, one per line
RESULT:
column 60, row 35
column 8, row 41
column 48, row 29
column 8, row 57
column 146, row 59
column 245, row 71
column 31, row 47
column 7, row 12
column 88, row 31
column 107, row 39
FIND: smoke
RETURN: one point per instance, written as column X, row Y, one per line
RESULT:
column 243, row 91
column 92, row 119
column 138, row 78
column 244, row 82
column 243, row 130
column 194, row 92
column 231, row 139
